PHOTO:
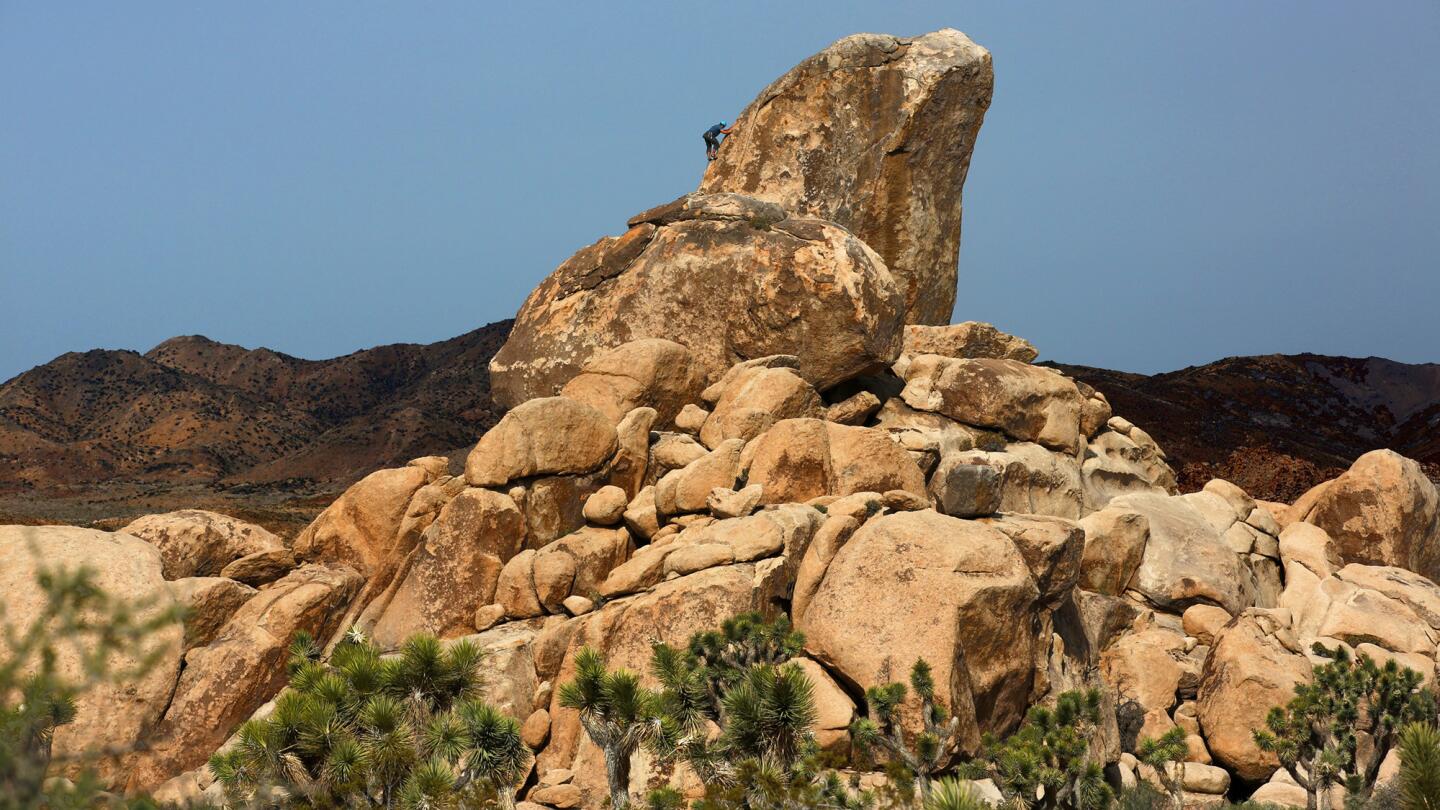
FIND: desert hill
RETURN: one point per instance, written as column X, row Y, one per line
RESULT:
column 201, row 419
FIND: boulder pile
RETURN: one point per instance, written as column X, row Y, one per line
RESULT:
column 750, row 401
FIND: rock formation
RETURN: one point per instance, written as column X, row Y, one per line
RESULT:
column 727, row 409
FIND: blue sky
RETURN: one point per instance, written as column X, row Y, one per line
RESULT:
column 1156, row 184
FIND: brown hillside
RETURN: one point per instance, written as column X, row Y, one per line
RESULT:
column 1279, row 424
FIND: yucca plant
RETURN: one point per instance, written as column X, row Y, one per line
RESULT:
column 1316, row 735
column 924, row 754
column 951, row 794
column 1420, row 767
column 367, row 730
column 618, row 714
column 1047, row 763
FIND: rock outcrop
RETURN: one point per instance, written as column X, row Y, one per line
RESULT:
column 874, row 133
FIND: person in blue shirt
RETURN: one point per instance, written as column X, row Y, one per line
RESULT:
column 712, row 139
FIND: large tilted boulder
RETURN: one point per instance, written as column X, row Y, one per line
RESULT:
column 1383, row 511
column 111, row 715
column 198, row 543
column 1186, row 559
column 957, row 593
column 361, row 529
column 875, row 133
column 735, row 278
column 547, row 436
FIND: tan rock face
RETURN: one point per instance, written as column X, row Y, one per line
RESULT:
column 1034, row 480
column 924, row 585
column 360, row 529
column 1144, row 667
column 227, row 680
column 261, row 567
column 1051, row 547
column 688, row 488
column 1204, row 622
column 653, row 373
column 454, row 570
column 1186, row 559
column 834, row 710
column 1028, row 403
column 548, row 436
column 800, row 459
column 1383, row 511
column 1248, row 672
column 606, row 506
column 728, row 286
column 197, row 543
column 971, row 339
column 119, row 715
column 900, row 119
column 1116, row 465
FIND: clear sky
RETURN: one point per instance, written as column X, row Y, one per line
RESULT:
column 1157, row 184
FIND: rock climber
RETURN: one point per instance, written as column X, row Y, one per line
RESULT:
column 712, row 139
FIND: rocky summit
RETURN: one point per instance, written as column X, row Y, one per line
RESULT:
column 749, row 402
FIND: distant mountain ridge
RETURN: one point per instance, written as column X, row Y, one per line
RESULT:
column 1278, row 424
column 194, row 410
column 194, row 416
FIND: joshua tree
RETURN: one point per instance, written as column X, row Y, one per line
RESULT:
column 1164, row 753
column 1046, row 763
column 741, row 679
column 1420, row 767
column 617, row 713
column 1338, row 729
column 743, row 657
column 364, row 730
column 924, row 755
